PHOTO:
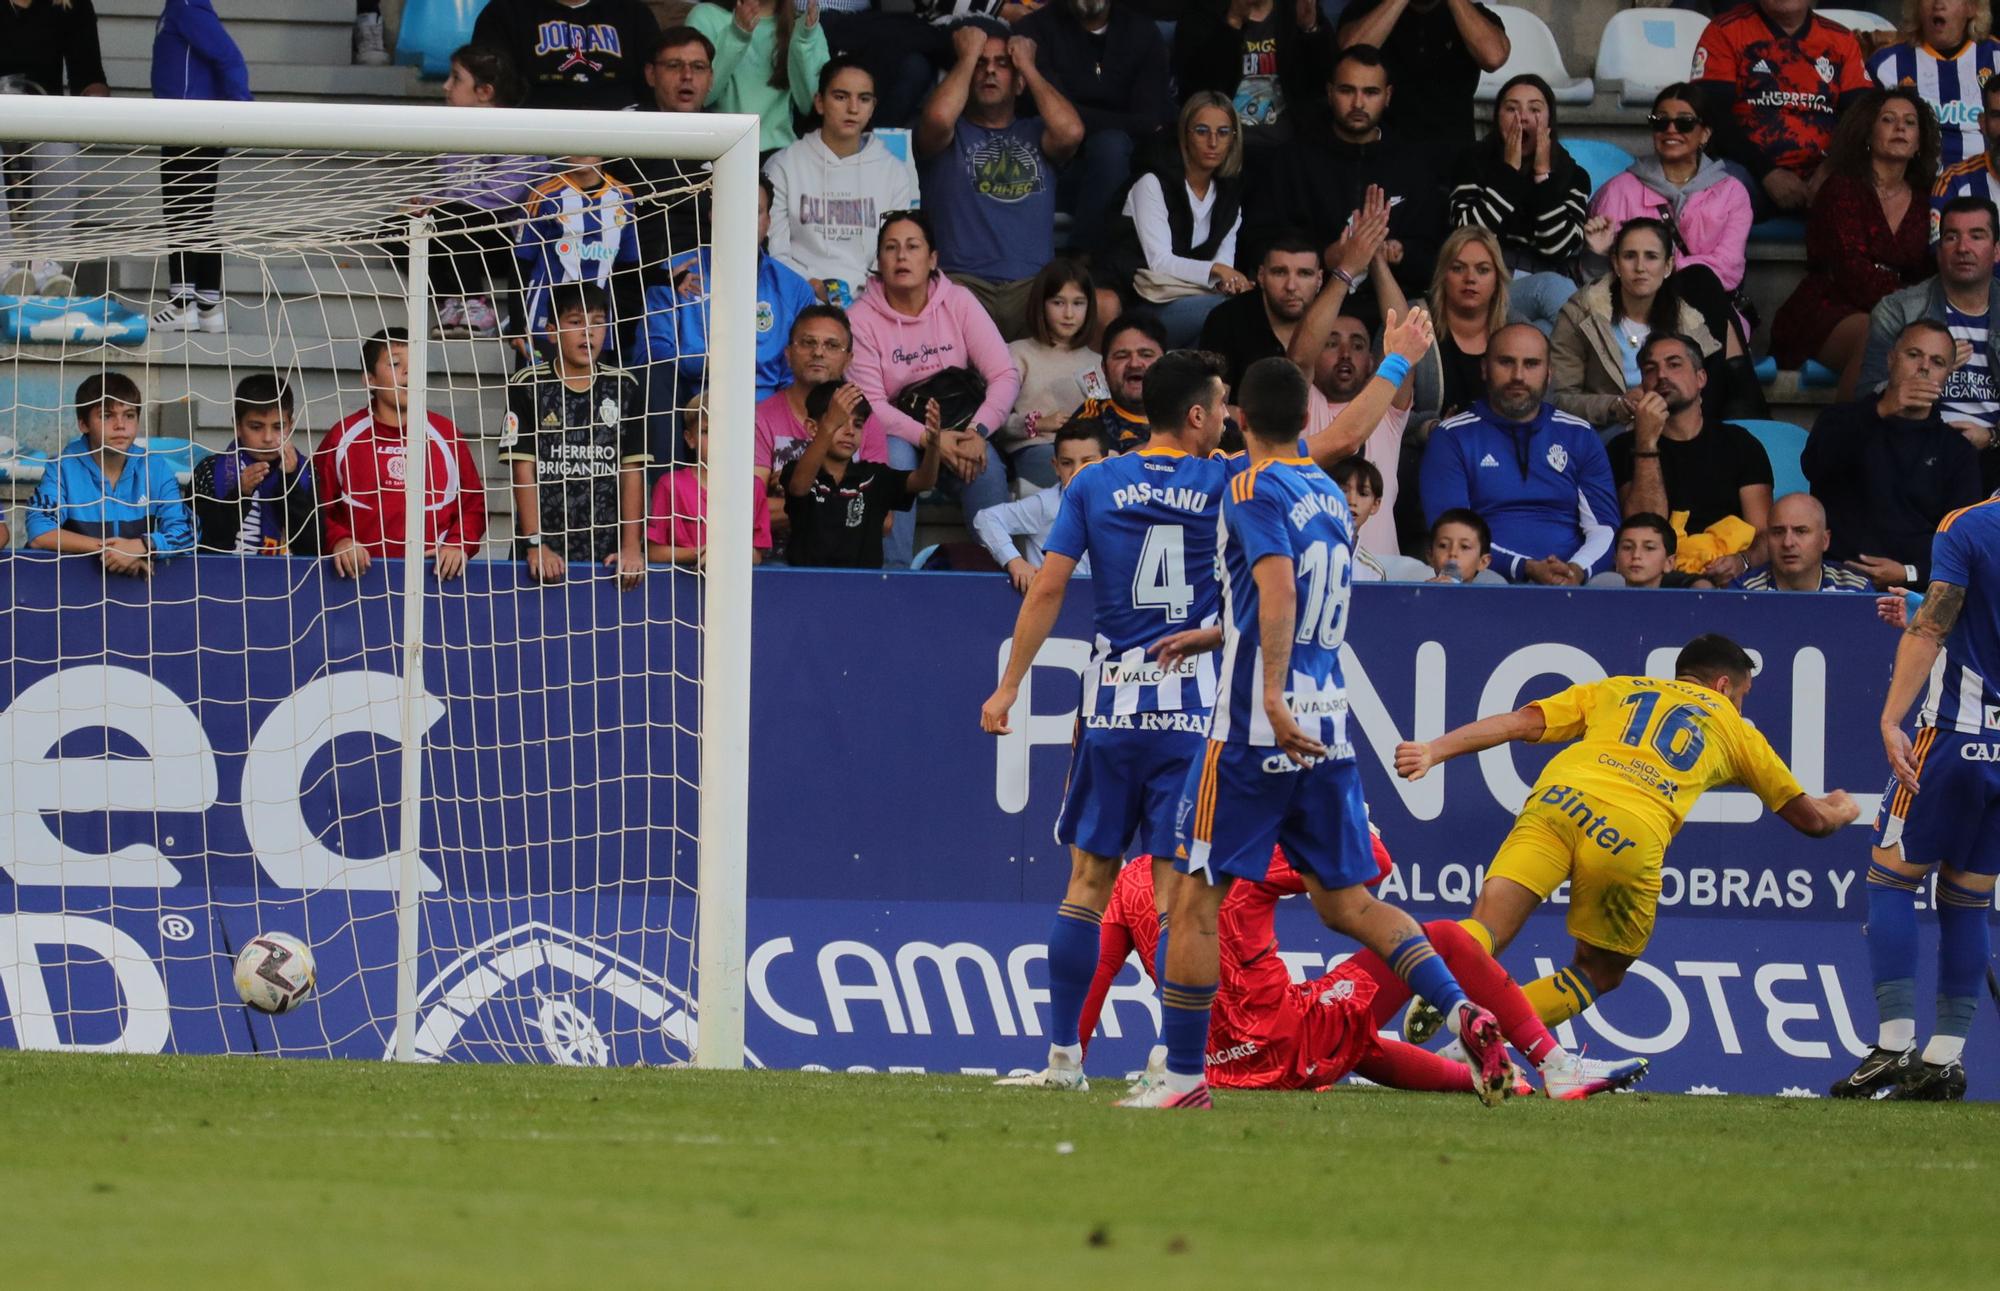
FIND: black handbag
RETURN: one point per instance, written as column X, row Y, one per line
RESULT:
column 959, row 393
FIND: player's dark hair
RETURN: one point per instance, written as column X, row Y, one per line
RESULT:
column 1348, row 469
column 1470, row 519
column 1273, row 395
column 1290, row 242
column 100, row 388
column 826, row 313
column 820, row 398
column 1671, row 338
column 1366, row 55
column 1965, row 202
column 675, row 37
column 1651, row 520
column 1086, row 428
column 566, row 298
column 1713, row 655
column 261, row 391
column 492, row 67
column 372, row 348
column 1145, row 323
column 1179, row 381
column 843, row 63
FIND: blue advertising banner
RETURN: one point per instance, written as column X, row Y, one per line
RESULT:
column 196, row 759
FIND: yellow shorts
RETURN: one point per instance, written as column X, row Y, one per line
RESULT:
column 1613, row 871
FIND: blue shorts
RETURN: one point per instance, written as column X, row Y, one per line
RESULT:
column 1954, row 819
column 1242, row 799
column 1124, row 790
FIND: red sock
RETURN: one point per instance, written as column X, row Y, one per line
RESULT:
column 1404, row 1066
column 1488, row 985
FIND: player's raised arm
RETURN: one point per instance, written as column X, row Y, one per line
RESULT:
column 1032, row 626
column 1415, row 757
column 1277, row 616
column 1916, row 654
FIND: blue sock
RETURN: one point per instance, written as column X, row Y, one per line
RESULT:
column 1963, row 951
column 1184, row 1026
column 1892, row 952
column 1417, row 962
column 1160, row 951
column 1072, row 963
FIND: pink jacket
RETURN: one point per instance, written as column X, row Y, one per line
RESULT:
column 892, row 351
column 1714, row 215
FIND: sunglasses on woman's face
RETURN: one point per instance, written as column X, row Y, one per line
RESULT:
column 1661, row 123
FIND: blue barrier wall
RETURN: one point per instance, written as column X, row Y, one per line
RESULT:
column 902, row 866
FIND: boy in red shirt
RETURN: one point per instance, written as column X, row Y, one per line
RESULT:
column 359, row 468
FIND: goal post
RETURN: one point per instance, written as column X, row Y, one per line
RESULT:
column 717, row 609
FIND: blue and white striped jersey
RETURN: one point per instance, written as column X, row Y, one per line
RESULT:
column 573, row 234
column 1966, row 553
column 1950, row 83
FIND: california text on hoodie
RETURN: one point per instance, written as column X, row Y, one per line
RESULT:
column 825, row 209
column 893, row 351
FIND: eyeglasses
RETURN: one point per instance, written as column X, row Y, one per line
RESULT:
column 696, row 65
column 1224, row 133
column 814, row 345
column 1685, row 123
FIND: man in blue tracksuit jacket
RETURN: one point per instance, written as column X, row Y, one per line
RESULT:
column 1538, row 477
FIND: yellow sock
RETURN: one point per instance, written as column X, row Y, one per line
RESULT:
column 1480, row 933
column 1560, row 996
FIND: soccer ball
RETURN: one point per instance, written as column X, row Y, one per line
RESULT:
column 274, row 972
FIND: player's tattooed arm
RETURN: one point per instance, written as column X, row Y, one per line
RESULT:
column 1916, row 654
column 1939, row 611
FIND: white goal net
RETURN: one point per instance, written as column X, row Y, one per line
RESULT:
column 364, row 580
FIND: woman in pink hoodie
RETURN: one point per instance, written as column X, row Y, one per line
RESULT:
column 911, row 324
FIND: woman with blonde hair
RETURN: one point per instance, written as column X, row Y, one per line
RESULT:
column 1945, row 53
column 1468, row 300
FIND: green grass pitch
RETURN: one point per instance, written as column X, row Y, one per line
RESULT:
column 239, row 1172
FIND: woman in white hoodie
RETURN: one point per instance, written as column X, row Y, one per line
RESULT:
column 833, row 187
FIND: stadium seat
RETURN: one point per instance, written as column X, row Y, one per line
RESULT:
column 1857, row 19
column 1602, row 161
column 185, row 454
column 431, row 30
column 1785, row 228
column 1783, row 442
column 1534, row 51
column 1648, row 50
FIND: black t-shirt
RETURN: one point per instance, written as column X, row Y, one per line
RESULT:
column 838, row 523
column 1240, row 331
column 591, row 55
column 1464, row 374
column 672, row 198
column 579, row 441
column 54, row 47
column 1703, row 474
column 1430, row 71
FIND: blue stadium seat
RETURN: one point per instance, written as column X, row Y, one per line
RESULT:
column 1785, row 228
column 1534, row 51
column 185, row 454
column 1648, row 50
column 1602, row 161
column 431, row 30
column 1783, row 442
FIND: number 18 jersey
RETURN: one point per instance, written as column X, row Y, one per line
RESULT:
column 1147, row 521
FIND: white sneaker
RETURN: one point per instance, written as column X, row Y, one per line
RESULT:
column 1061, row 1073
column 1161, row 1097
column 1579, row 1078
column 212, row 318
column 16, row 279
column 180, row 314
column 371, row 44
column 52, row 280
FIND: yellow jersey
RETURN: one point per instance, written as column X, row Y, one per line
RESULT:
column 1650, row 748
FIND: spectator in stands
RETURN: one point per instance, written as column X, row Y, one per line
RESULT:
column 989, row 176
column 1320, row 182
column 51, row 48
column 836, row 504
column 1441, row 45
column 1867, row 235
column 1675, row 461
column 1460, row 548
column 193, row 58
column 1522, row 184
column 1077, row 445
column 1468, row 298
column 1259, row 324
column 255, row 497
column 677, row 521
column 358, row 469
column 1774, row 77
column 1175, row 240
column 1538, row 477
column 105, row 496
column 1359, row 479
column 1887, row 468
column 1978, row 175
column 1797, row 541
column 1642, row 556
column 830, row 190
column 1269, row 59
column 904, row 51
column 576, row 227
column 1133, row 343
column 1706, row 208
column 767, row 60
column 1109, row 61
column 1595, row 348
column 370, row 46
column 818, row 351
column 573, row 53
column 1946, row 54
column 919, row 335
column 1964, row 298
column 1057, row 368
column 474, row 269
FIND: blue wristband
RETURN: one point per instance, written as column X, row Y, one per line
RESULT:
column 1393, row 369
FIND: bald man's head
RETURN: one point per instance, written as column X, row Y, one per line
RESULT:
column 1798, row 536
column 1517, row 371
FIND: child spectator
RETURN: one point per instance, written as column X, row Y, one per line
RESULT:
column 767, row 61
column 359, row 472
column 255, row 497
column 1077, row 445
column 104, row 497
column 193, row 58
column 677, row 527
column 579, row 226
column 1643, row 556
column 837, row 505
column 576, row 436
column 1361, row 480
column 1461, row 548
column 821, row 346
column 1058, row 369
column 474, row 270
